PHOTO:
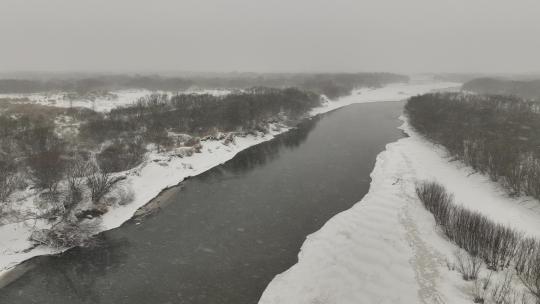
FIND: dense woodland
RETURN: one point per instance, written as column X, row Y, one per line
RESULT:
column 151, row 117
column 332, row 85
column 527, row 89
column 495, row 135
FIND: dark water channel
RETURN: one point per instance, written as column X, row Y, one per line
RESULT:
column 222, row 236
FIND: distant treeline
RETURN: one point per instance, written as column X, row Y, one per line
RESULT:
column 528, row 89
column 332, row 85
column 495, row 135
column 457, row 77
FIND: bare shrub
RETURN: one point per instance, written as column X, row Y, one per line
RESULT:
column 496, row 244
column 468, row 265
column 47, row 169
column 9, row 182
column 121, row 155
column 125, row 196
column 100, row 183
column 192, row 141
column 502, row 291
column 49, row 205
column 480, row 289
column 76, row 170
column 528, row 266
column 437, row 201
column 67, row 234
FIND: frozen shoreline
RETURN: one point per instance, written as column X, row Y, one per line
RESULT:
column 387, row 248
column 162, row 171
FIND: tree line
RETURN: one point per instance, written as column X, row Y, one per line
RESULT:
column 527, row 89
column 153, row 116
column 495, row 135
column 332, row 85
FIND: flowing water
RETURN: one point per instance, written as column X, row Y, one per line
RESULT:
column 222, row 236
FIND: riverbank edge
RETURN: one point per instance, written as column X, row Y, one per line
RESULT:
column 387, row 247
column 116, row 217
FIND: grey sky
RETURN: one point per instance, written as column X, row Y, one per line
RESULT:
column 271, row 35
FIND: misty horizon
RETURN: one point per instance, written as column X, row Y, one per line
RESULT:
column 123, row 36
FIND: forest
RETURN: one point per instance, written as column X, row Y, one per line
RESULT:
column 495, row 135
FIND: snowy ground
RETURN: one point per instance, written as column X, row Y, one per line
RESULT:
column 391, row 92
column 387, row 248
column 164, row 170
column 103, row 103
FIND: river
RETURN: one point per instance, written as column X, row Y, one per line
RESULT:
column 222, row 236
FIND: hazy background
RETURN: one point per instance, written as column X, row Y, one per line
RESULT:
column 270, row 35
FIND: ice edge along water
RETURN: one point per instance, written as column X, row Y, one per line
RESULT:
column 163, row 171
column 387, row 248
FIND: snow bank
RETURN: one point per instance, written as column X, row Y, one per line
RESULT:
column 162, row 171
column 386, row 248
column 391, row 92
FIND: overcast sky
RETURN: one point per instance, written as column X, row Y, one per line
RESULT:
column 270, row 35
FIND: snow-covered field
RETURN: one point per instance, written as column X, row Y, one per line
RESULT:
column 103, row 103
column 387, row 248
column 164, row 170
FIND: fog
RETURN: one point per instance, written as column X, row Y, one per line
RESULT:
column 270, row 35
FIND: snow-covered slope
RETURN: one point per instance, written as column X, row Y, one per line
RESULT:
column 386, row 248
column 162, row 171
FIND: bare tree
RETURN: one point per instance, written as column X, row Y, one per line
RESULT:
column 502, row 290
column 76, row 170
column 100, row 183
column 8, row 184
column 528, row 270
column 468, row 265
column 47, row 169
column 480, row 288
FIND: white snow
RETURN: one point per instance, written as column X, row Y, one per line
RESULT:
column 387, row 248
column 391, row 92
column 164, row 170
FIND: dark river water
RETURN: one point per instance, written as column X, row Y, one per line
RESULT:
column 222, row 236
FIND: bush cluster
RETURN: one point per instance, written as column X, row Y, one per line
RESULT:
column 498, row 246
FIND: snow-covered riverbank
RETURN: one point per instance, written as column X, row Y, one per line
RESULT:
column 387, row 248
column 161, row 171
